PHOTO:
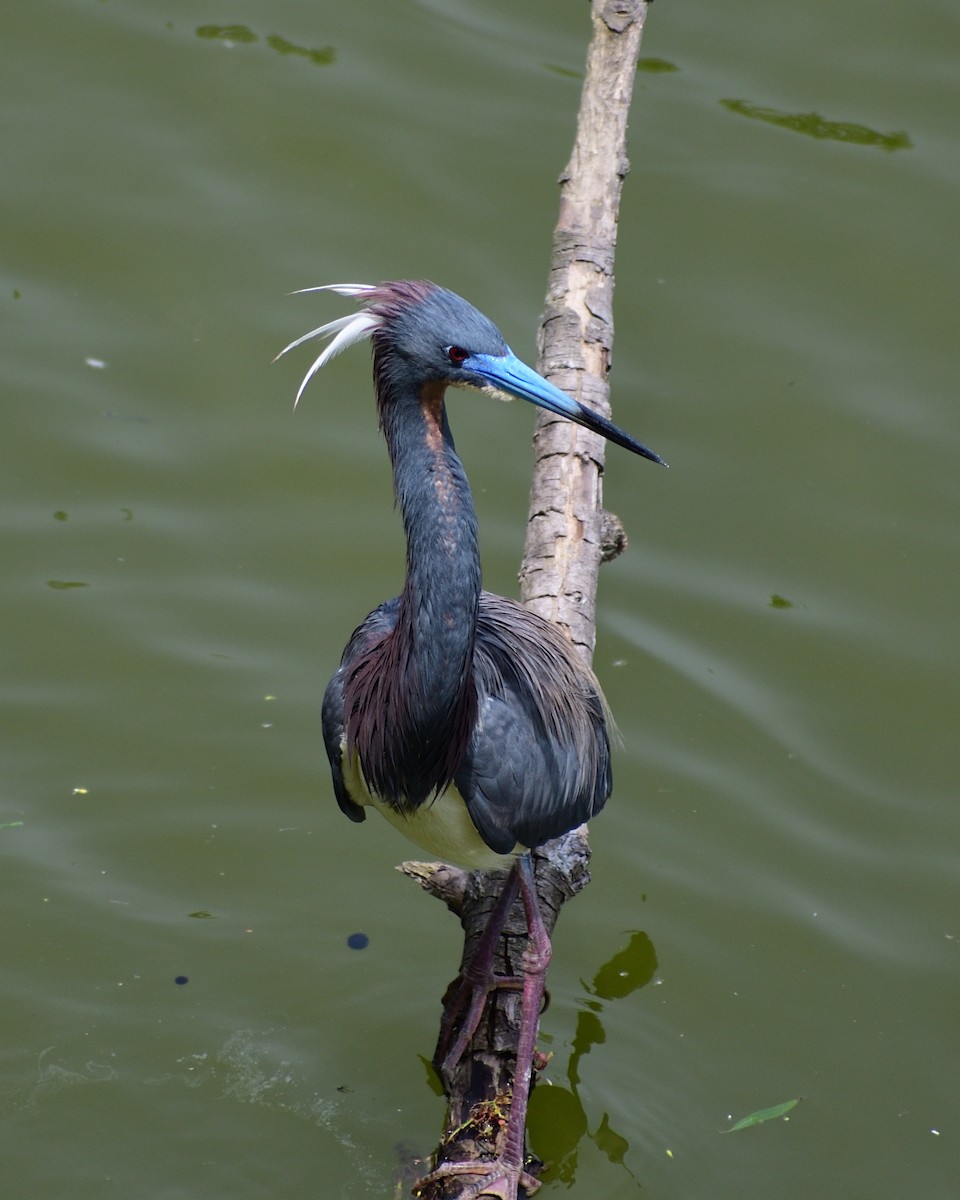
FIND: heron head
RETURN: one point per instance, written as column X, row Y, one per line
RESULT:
column 423, row 334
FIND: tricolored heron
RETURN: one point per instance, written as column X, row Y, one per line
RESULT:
column 468, row 721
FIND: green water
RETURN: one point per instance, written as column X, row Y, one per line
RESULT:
column 775, row 908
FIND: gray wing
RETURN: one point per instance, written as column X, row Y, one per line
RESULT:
column 376, row 627
column 538, row 761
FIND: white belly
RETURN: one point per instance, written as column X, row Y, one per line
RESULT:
column 442, row 826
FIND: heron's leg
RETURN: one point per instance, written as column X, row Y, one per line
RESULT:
column 503, row 1175
column 477, row 980
column 536, row 960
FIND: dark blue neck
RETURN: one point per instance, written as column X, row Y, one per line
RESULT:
column 436, row 626
column 439, row 600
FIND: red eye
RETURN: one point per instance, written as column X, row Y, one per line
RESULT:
column 457, row 355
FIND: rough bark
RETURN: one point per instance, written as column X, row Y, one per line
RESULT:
column 558, row 578
column 568, row 535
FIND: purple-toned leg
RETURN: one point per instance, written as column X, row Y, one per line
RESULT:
column 504, row 1175
column 476, row 982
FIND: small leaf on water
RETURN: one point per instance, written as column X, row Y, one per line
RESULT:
column 763, row 1114
column 318, row 56
column 227, row 33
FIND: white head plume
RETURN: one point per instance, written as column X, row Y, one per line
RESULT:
column 348, row 329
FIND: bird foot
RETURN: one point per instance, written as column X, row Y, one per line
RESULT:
column 536, row 959
column 501, row 1178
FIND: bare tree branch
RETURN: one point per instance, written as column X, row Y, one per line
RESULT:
column 568, row 534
